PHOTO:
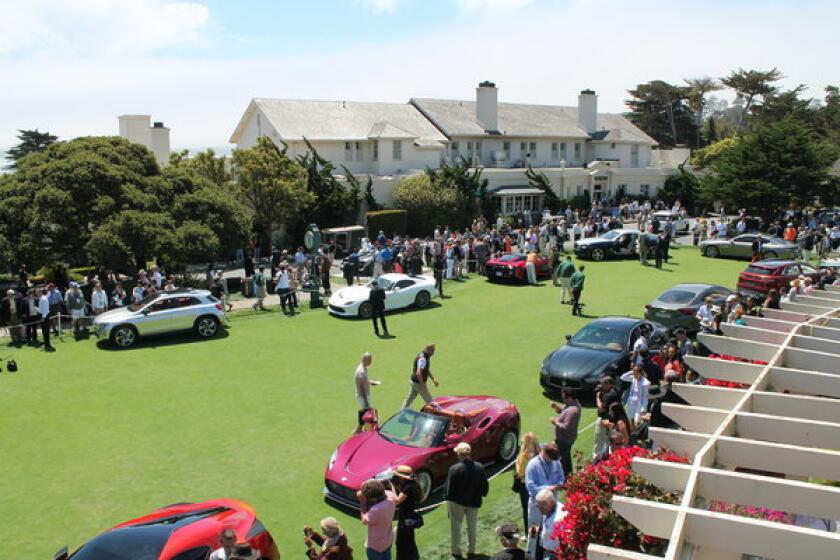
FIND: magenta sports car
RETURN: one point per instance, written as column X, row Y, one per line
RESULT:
column 424, row 440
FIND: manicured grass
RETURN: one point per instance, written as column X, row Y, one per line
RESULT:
column 90, row 437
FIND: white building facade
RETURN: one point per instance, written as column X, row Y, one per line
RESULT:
column 137, row 129
column 580, row 150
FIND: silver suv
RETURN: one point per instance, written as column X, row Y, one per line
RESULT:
column 164, row 312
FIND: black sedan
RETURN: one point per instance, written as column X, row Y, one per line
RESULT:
column 614, row 243
column 603, row 347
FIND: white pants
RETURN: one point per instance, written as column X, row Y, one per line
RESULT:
column 634, row 410
column 531, row 270
column 415, row 389
column 456, row 517
column 566, row 287
column 601, row 439
column 377, row 269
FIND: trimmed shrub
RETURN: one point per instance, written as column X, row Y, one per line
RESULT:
column 389, row 221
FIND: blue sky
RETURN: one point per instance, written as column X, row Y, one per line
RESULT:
column 72, row 66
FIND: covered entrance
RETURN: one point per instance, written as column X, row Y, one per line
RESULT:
column 512, row 200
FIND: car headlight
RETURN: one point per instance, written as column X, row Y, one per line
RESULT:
column 387, row 474
column 333, row 458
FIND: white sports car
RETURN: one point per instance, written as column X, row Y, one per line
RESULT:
column 401, row 290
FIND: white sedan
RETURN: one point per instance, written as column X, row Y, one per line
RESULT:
column 681, row 224
column 401, row 290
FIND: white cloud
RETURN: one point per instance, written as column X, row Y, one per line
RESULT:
column 493, row 6
column 545, row 54
column 99, row 27
column 379, row 6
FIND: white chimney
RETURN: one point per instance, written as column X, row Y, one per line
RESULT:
column 159, row 145
column 487, row 105
column 588, row 110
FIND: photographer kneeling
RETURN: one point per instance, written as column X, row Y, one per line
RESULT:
column 333, row 542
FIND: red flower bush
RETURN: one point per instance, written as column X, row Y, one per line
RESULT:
column 589, row 517
column 751, row 511
column 730, row 384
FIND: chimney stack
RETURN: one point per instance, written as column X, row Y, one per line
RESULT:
column 487, row 105
column 588, row 110
column 137, row 129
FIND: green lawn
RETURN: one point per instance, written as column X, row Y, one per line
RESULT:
column 90, row 437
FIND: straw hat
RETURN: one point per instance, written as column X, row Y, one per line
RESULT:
column 405, row 472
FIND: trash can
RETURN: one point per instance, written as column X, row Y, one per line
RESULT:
column 247, row 287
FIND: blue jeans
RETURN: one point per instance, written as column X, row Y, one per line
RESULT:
column 376, row 555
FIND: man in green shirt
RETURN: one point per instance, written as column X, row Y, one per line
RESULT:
column 577, row 280
column 564, row 274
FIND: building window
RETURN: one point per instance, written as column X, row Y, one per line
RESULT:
column 532, row 150
column 634, row 155
column 478, row 150
column 644, row 189
column 454, row 151
column 506, row 150
column 397, row 155
column 577, row 151
column 470, row 152
column 523, row 150
column 555, row 151
column 360, row 155
column 562, row 150
column 348, row 151
column 375, row 154
column 612, row 146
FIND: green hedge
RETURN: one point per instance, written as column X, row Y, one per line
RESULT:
column 389, row 221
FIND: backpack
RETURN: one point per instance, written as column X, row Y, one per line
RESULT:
column 11, row 366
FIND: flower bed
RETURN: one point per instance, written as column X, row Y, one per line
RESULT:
column 730, row 384
column 588, row 515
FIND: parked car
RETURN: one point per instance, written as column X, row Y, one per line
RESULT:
column 425, row 441
column 179, row 532
column 614, row 243
column 678, row 306
column 680, row 222
column 401, row 290
column 602, row 347
column 512, row 267
column 740, row 247
column 162, row 313
column 762, row 276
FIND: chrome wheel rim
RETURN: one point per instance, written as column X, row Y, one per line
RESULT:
column 422, row 299
column 598, row 254
column 507, row 447
column 207, row 327
column 424, row 481
column 124, row 337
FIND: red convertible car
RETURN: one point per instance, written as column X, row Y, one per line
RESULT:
column 425, row 441
column 512, row 267
column 179, row 532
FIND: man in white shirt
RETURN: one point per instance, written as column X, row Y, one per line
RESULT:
column 157, row 279
column 705, row 314
column 138, row 293
column 44, row 312
column 363, row 384
column 98, row 299
column 640, row 344
column 552, row 512
column 281, row 286
column 377, row 262
column 227, row 539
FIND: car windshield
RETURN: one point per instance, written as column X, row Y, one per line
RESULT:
column 600, row 337
column 414, row 429
column 677, row 296
column 612, row 234
column 383, row 283
column 143, row 302
column 510, row 258
column 126, row 544
column 757, row 270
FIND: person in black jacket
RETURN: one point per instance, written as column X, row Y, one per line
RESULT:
column 377, row 307
column 466, row 485
column 661, row 250
column 438, row 266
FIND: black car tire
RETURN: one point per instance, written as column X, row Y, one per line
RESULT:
column 365, row 310
column 770, row 255
column 508, row 447
column 712, row 252
column 422, row 299
column 598, row 254
column 206, row 326
column 123, row 336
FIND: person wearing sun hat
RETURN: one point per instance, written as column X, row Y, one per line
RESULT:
column 409, row 495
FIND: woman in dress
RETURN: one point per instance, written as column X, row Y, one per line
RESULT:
column 617, row 420
column 637, row 395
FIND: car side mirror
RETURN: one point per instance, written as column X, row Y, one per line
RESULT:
column 62, row 554
column 568, row 338
column 452, row 439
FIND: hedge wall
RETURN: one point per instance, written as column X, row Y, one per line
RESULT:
column 389, row 221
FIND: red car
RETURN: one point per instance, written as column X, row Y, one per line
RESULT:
column 762, row 276
column 512, row 267
column 179, row 532
column 424, row 440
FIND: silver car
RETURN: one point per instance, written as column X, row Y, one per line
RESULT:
column 740, row 247
column 164, row 312
column 678, row 306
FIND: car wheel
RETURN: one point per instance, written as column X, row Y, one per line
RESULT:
column 712, row 252
column 422, row 299
column 206, row 327
column 770, row 255
column 424, row 481
column 365, row 310
column 124, row 336
column 508, row 447
column 598, row 255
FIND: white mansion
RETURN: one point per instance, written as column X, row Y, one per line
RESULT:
column 577, row 148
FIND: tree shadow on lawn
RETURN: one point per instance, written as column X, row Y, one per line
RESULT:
column 163, row 340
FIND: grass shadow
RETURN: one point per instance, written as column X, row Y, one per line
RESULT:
column 163, row 340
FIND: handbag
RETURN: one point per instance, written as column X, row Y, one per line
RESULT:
column 414, row 521
column 518, row 485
